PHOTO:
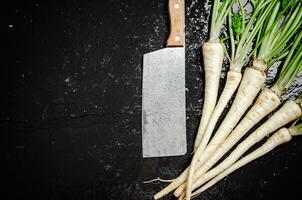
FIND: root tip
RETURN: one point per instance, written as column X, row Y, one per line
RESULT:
column 177, row 194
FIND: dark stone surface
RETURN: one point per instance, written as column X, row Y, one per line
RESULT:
column 70, row 120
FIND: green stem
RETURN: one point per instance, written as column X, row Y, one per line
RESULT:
column 247, row 37
column 265, row 46
column 214, row 17
column 218, row 18
column 243, row 15
column 226, row 52
column 258, row 42
column 243, row 55
column 231, row 37
column 224, row 14
column 291, row 67
column 296, row 130
column 289, row 28
column 278, row 58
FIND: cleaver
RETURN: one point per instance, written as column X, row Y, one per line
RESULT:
column 163, row 93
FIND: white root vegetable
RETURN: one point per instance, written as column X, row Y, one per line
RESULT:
column 244, row 97
column 232, row 82
column 280, row 137
column 173, row 185
column 287, row 113
column 271, row 51
column 252, row 82
column 266, row 102
column 212, row 57
column 245, row 33
column 213, row 53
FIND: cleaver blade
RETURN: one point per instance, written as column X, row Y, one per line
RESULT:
column 163, row 93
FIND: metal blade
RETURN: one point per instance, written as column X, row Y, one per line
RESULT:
column 164, row 108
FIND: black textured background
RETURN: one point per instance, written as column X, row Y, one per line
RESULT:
column 70, row 120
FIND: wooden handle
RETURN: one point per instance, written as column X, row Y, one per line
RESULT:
column 177, row 23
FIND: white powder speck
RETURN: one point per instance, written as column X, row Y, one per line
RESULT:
column 107, row 167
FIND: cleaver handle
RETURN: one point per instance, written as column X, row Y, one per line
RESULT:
column 177, row 23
